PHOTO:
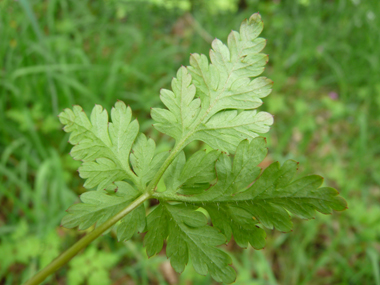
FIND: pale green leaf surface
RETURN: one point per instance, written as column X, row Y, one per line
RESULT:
column 200, row 167
column 98, row 206
column 183, row 108
column 188, row 237
column 102, row 146
column 101, row 173
column 226, row 129
column 223, row 84
column 197, row 171
column 144, row 161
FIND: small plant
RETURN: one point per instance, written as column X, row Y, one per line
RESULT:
column 211, row 102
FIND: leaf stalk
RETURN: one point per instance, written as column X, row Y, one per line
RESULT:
column 153, row 184
column 82, row 243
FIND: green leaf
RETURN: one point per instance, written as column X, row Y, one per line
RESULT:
column 101, row 172
column 223, row 84
column 182, row 105
column 188, row 237
column 98, row 206
column 227, row 129
column 198, row 171
column 237, row 177
column 144, row 161
column 134, row 222
column 199, row 167
column 103, row 147
column 214, row 102
column 172, row 176
column 276, row 190
column 158, row 230
column 225, row 214
column 231, row 219
column 239, row 200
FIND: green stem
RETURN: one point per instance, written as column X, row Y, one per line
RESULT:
column 152, row 185
column 81, row 244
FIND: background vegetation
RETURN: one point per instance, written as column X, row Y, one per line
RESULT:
column 324, row 60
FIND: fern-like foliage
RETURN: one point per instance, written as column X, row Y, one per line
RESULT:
column 214, row 102
column 206, row 98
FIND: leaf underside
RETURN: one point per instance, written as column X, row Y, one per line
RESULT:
column 98, row 206
column 214, row 102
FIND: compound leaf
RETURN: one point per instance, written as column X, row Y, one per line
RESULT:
column 303, row 197
column 202, row 93
column 240, row 199
column 275, row 193
column 103, row 147
column 215, row 102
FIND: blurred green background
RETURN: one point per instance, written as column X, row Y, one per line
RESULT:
column 324, row 60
